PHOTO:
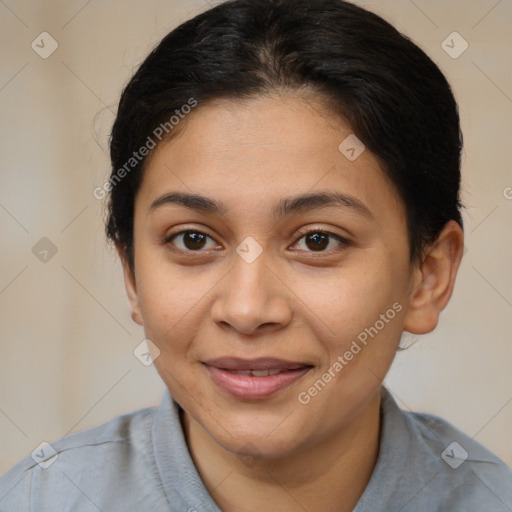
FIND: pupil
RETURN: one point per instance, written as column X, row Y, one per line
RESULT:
column 193, row 240
column 320, row 241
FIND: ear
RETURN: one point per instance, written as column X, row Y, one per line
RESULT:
column 130, row 286
column 434, row 280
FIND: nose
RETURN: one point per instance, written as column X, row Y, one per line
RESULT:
column 253, row 298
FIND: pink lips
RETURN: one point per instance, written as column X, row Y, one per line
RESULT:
column 227, row 374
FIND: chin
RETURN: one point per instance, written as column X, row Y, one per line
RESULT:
column 260, row 446
column 253, row 435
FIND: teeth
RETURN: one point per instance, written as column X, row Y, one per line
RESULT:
column 258, row 373
column 265, row 373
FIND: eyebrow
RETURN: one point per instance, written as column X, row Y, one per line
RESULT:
column 286, row 206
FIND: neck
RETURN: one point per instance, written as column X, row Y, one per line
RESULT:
column 330, row 475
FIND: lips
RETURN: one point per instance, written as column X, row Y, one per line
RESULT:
column 258, row 373
column 267, row 363
column 254, row 378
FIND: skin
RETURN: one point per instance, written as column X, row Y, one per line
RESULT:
column 293, row 302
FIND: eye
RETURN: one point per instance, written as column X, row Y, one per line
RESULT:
column 190, row 240
column 317, row 240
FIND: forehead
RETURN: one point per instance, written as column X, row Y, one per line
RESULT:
column 248, row 154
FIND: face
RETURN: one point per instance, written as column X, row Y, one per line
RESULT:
column 294, row 264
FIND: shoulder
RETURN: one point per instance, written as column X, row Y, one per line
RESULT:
column 84, row 463
column 426, row 464
column 467, row 475
column 113, row 436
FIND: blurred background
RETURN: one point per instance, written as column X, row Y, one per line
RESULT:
column 66, row 337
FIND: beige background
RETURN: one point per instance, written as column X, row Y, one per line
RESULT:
column 65, row 331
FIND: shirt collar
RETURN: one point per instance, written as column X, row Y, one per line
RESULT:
column 180, row 479
column 401, row 470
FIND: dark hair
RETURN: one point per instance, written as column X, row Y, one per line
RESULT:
column 396, row 100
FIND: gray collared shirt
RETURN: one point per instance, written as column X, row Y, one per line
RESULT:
column 140, row 462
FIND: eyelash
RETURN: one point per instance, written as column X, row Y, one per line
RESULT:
column 344, row 243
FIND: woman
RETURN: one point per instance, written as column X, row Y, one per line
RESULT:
column 284, row 199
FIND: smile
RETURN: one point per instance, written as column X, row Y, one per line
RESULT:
column 255, row 379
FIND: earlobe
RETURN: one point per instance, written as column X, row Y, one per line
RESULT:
column 434, row 280
column 130, row 286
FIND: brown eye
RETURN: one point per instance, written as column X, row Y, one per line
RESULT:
column 189, row 241
column 318, row 240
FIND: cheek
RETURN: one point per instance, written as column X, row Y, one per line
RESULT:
column 170, row 313
column 348, row 301
column 161, row 299
column 167, row 314
column 172, row 299
column 363, row 311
